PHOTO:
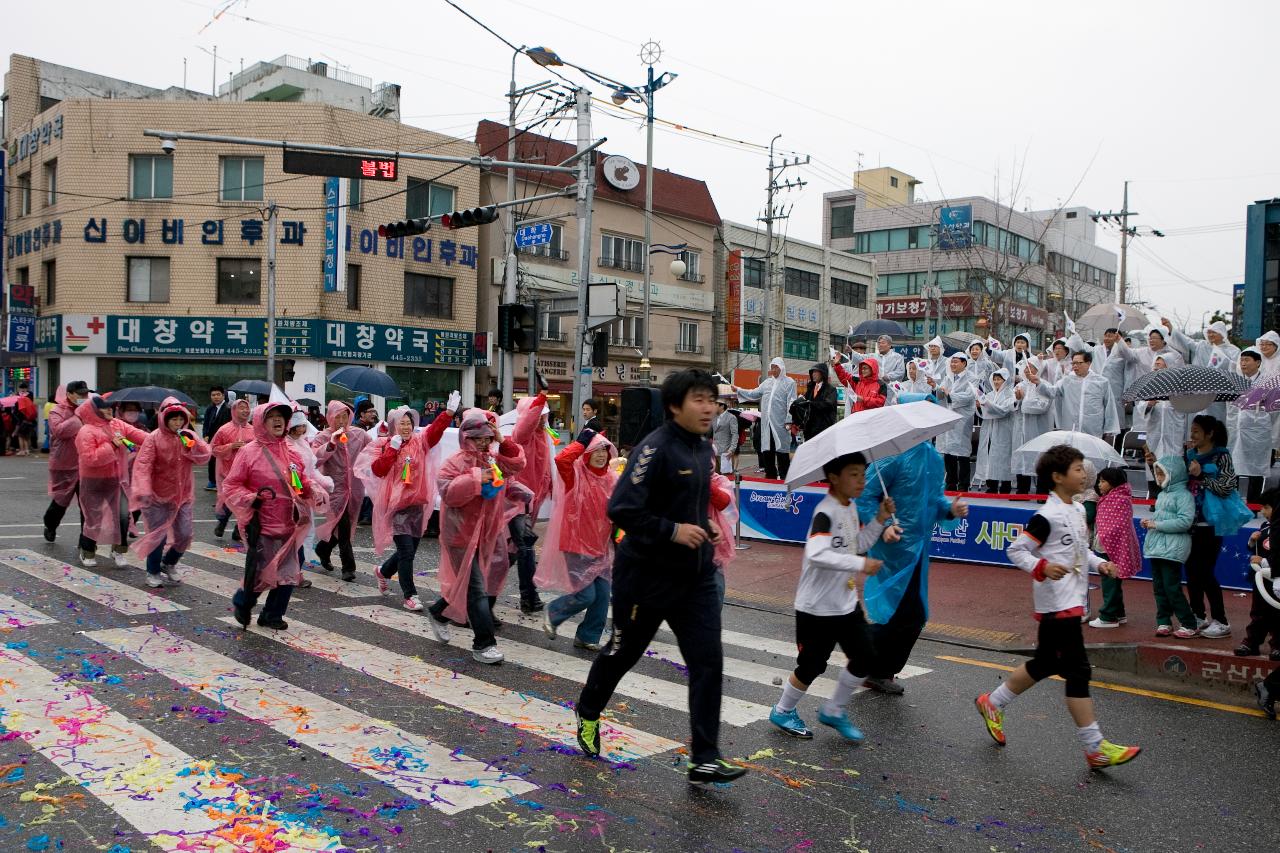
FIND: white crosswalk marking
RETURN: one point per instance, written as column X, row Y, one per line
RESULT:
column 445, row 779
column 144, row 779
column 15, row 614
column 509, row 707
column 120, row 597
column 326, row 582
column 736, row 712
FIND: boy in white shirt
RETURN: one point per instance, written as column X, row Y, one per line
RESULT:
column 1054, row 549
column 827, row 609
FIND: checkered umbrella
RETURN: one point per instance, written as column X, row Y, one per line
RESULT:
column 1190, row 389
column 1264, row 396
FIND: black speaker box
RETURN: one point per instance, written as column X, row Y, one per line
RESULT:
column 641, row 413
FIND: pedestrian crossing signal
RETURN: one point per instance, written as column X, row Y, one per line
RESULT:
column 405, row 227
column 469, row 217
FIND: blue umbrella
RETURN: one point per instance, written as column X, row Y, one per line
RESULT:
column 365, row 379
column 876, row 328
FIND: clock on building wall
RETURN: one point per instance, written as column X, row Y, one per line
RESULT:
column 620, row 172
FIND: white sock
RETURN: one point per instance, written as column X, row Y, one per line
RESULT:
column 845, row 685
column 790, row 697
column 1002, row 696
column 1090, row 736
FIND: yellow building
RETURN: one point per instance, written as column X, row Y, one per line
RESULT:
column 886, row 187
column 149, row 266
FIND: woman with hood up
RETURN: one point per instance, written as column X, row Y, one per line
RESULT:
column 104, row 445
column 1269, row 346
column 917, row 381
column 578, row 555
column 336, row 447
column 867, row 390
column 995, row 438
column 1166, row 428
column 1032, row 417
column 821, row 396
column 531, row 433
column 473, row 528
column 979, row 364
column 299, row 441
column 64, row 470
column 959, row 393
column 935, row 355
column 163, row 492
column 403, row 465
column 272, row 499
column 227, row 442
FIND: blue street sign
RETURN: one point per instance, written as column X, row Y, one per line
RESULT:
column 533, row 235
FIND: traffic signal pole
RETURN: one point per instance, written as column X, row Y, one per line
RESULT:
column 272, row 218
column 585, row 196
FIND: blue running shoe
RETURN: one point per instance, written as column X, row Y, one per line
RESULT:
column 790, row 722
column 841, row 723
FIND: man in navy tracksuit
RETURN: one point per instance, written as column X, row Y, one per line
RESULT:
column 663, row 571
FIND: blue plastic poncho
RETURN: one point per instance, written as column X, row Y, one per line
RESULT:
column 914, row 480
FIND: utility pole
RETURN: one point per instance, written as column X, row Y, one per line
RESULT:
column 271, row 291
column 586, row 192
column 506, row 364
column 772, row 215
column 1122, row 218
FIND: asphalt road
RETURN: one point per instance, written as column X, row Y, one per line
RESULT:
column 129, row 724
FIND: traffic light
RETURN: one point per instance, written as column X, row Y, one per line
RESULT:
column 405, row 227
column 517, row 327
column 471, row 216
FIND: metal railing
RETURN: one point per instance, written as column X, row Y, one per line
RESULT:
column 261, row 69
column 694, row 277
column 693, row 350
column 620, row 264
column 555, row 336
column 542, row 252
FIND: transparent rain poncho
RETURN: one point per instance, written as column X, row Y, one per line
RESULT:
column 336, row 459
column 104, row 470
column 579, row 543
column 162, row 487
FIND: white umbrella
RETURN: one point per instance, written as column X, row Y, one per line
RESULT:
column 1110, row 315
column 1094, row 449
column 875, row 433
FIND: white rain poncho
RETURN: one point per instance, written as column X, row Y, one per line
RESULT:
column 1166, row 426
column 775, row 395
column 937, row 367
column 893, row 367
column 1251, row 431
column 1111, row 366
column 1083, row 404
column 1221, row 356
column 1032, row 417
column 995, row 438
column 1270, row 365
column 959, row 393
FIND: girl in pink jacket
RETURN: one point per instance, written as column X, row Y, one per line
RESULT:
column 226, row 443
column 64, row 470
column 104, row 444
column 336, row 448
column 163, row 491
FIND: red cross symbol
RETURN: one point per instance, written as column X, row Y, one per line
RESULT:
column 96, row 326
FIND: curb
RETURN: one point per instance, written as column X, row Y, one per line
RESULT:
column 1184, row 665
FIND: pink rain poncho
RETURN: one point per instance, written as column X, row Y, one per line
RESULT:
column 64, row 468
column 337, row 460
column 223, row 446
column 401, row 480
column 104, row 470
column 162, row 487
column 579, row 545
column 472, row 527
column 269, row 463
column 531, row 435
column 724, row 515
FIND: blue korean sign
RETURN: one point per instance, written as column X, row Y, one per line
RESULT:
column 533, row 235
column 955, row 227
column 331, row 186
column 344, row 341
column 210, row 336
column 22, row 333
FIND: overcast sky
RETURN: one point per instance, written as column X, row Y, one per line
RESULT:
column 1061, row 103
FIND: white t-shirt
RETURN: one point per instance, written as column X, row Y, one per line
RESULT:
column 831, row 556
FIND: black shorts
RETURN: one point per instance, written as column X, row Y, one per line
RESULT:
column 817, row 637
column 1060, row 651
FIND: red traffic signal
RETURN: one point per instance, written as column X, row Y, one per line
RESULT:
column 405, row 227
column 470, row 217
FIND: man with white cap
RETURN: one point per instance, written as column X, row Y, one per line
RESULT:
column 1215, row 351
column 893, row 367
column 937, row 366
column 775, row 394
column 1083, row 401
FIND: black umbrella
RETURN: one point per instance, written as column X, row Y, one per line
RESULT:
column 307, row 401
column 149, row 394
column 876, row 328
column 1192, row 388
column 257, row 387
column 365, row 380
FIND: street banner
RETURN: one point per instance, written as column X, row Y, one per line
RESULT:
column 733, row 301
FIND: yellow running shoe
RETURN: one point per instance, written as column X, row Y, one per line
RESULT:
column 1111, row 755
column 992, row 716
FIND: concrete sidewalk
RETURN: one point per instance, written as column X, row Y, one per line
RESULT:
column 990, row 607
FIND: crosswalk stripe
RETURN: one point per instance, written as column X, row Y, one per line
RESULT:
column 217, row 584
column 15, row 614
column 145, row 780
column 735, row 712
column 328, row 583
column 520, row 711
column 120, row 597
column 425, row 770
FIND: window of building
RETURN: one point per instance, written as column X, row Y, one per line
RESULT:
column 622, row 253
column 353, row 287
column 893, row 182
column 751, row 337
column 800, row 345
column 553, row 250
column 239, row 281
column 848, row 293
column 842, row 222
column 150, row 176
column 551, row 327
column 149, row 279
column 1035, row 294
column 804, row 283
column 626, row 332
column 24, row 194
column 692, row 266
column 878, row 241
column 688, row 340
column 427, row 198
column 919, row 237
column 242, row 179
column 354, row 194
column 753, row 272
column 898, row 239
column 24, row 277
column 51, row 183
column 50, row 282
column 1071, row 214
column 428, row 295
